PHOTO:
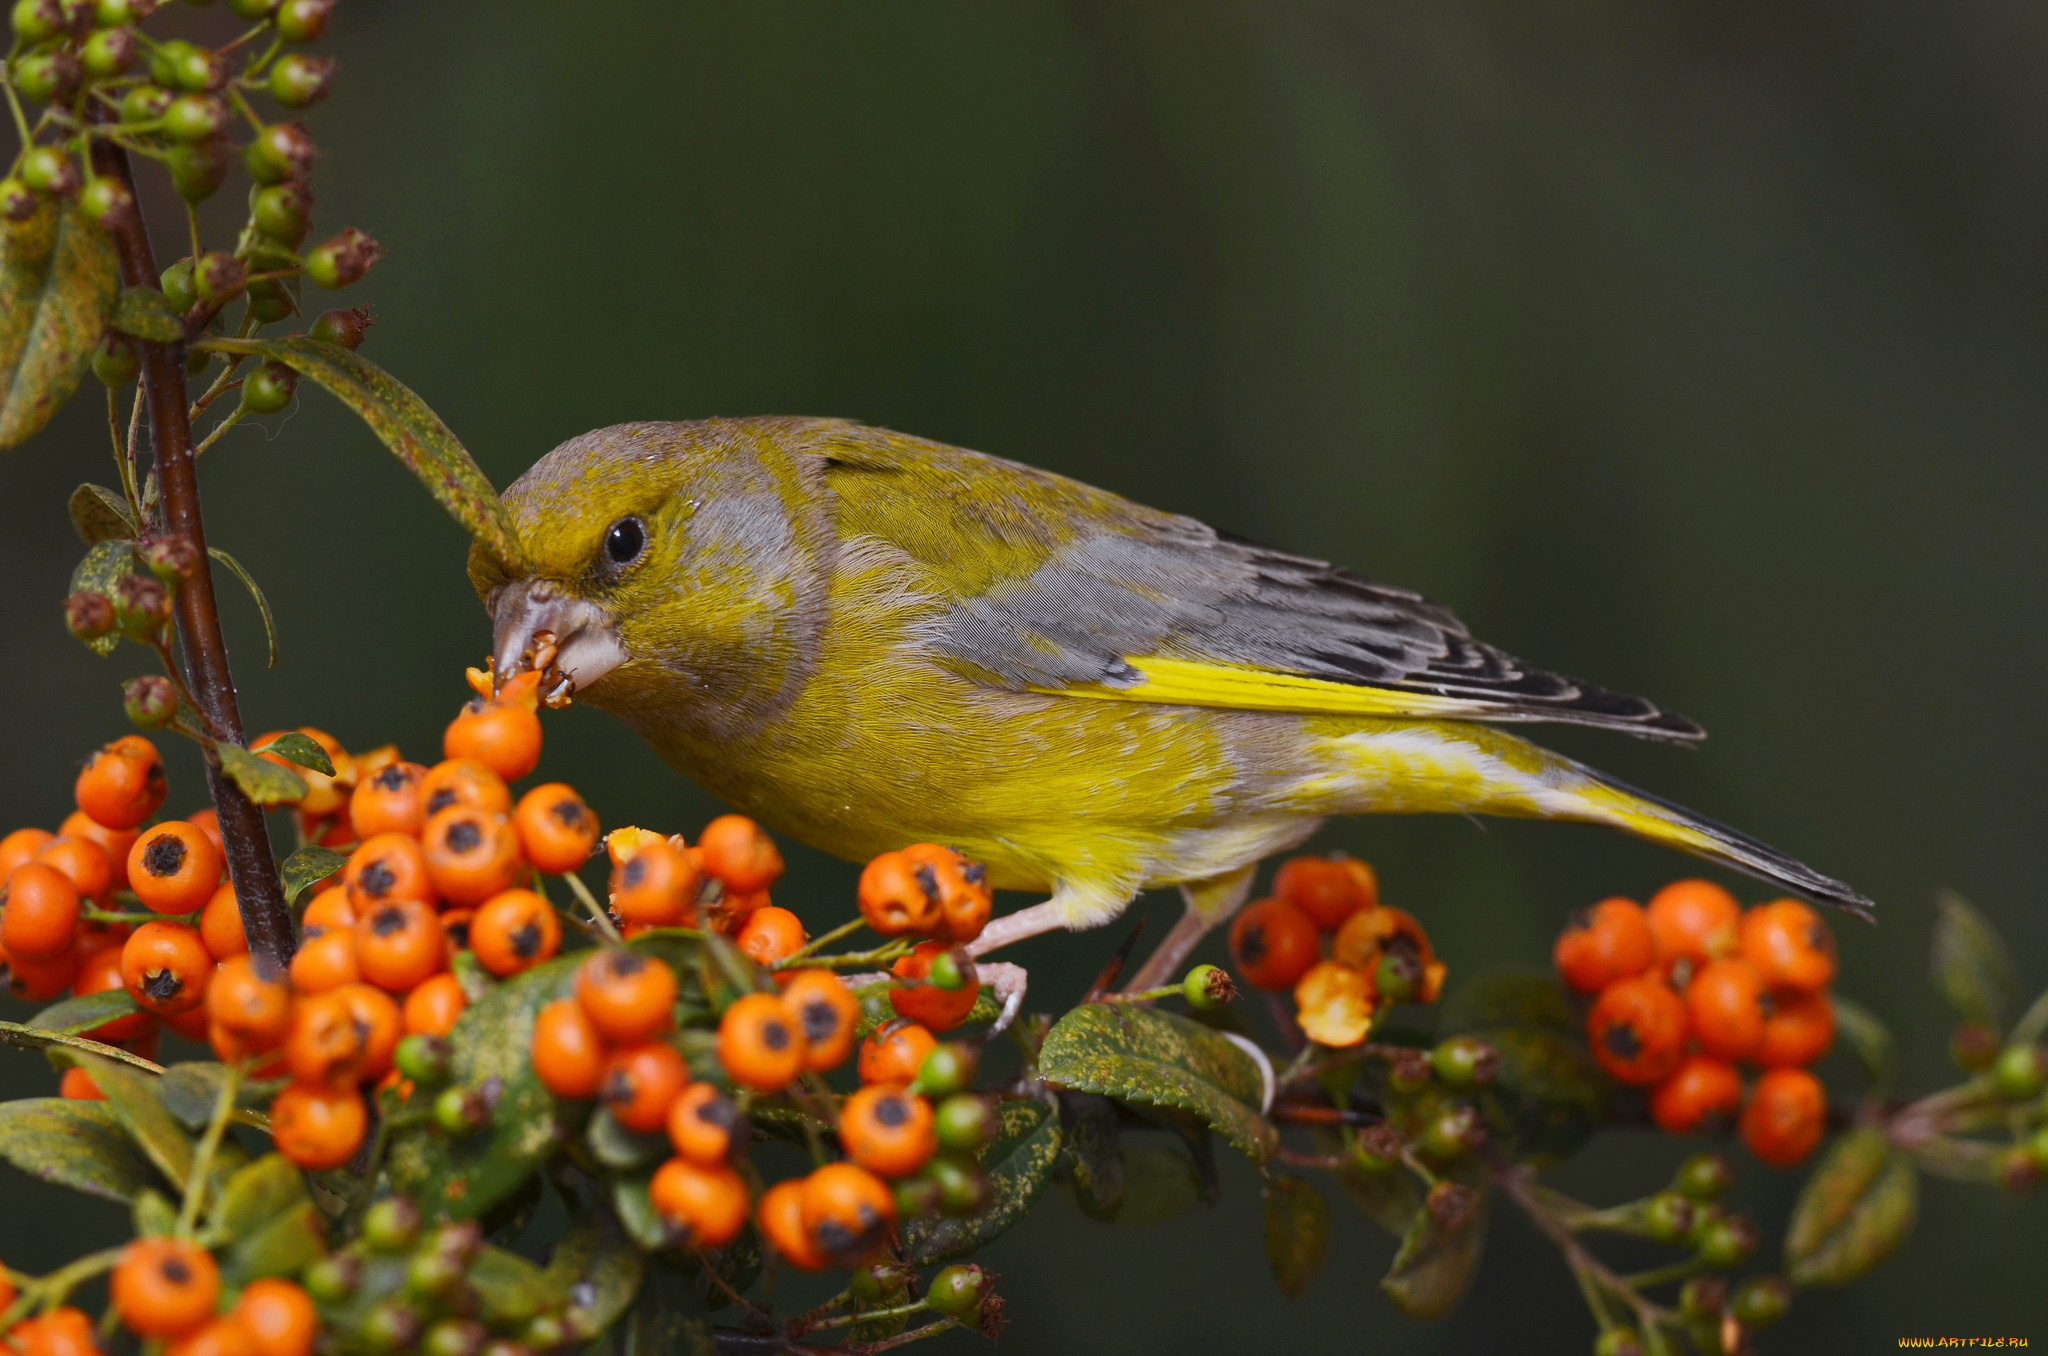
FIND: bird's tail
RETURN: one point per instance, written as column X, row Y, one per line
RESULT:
column 1396, row 767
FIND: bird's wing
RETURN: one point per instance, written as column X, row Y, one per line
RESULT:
column 1057, row 587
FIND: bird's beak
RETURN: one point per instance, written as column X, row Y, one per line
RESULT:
column 585, row 635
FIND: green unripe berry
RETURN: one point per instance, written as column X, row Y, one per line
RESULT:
column 420, row 1057
column 1761, row 1301
column 1667, row 1217
column 88, row 616
column 1618, row 1342
column 946, row 973
column 109, row 52
column 219, row 278
column 962, row 1188
column 2017, row 1171
column 451, row 1336
column 196, row 361
column 391, row 1326
column 197, row 168
column 391, row 1225
column 283, row 212
column 182, row 65
column 141, row 606
column 1452, row 1134
column 1408, row 1072
column 958, row 1292
column 346, row 328
column 2018, row 1072
column 964, row 1123
column 458, row 1112
column 116, row 361
column 1702, row 1296
column 48, row 170
column 300, row 81
column 332, row 1279
column 1376, row 1148
column 121, row 13
column 195, row 117
column 342, row 260
column 18, row 202
column 106, row 201
column 880, row 1283
column 1207, row 987
column 302, row 20
column 946, row 1070
column 280, row 153
column 269, row 302
column 431, row 1275
column 150, row 701
column 145, row 103
column 545, row 1332
column 1464, row 1062
column 170, row 558
column 1726, row 1242
column 47, row 77
column 1704, row 1177
column 1397, row 977
column 917, row 1197
column 37, row 20
column 503, row 1347
column 2037, row 1148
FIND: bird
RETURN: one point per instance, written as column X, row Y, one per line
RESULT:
column 865, row 639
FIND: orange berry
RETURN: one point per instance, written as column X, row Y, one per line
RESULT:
column 77, row 1085
column 1327, row 889
column 780, row 1218
column 85, row 863
column 927, row 1004
column 656, row 883
column 384, row 867
column 760, row 1043
column 893, row 1053
column 389, row 800
column 1637, row 1030
column 278, row 1316
column 433, row 1008
column 1693, row 920
column 1371, row 934
column 899, row 894
column 124, row 784
column 100, row 972
column 1786, row 941
column 629, row 996
column 568, row 1051
column 1607, row 942
column 556, row 829
column 472, row 854
column 399, row 944
column 173, row 868
column 1333, row 1003
column 38, row 913
column 166, row 967
column 220, row 1337
column 61, row 1332
column 114, row 842
column 739, row 852
column 192, row 1023
column 770, row 935
column 38, row 981
column 710, row 1203
column 21, row 847
column 329, row 911
column 846, row 1211
column 220, row 924
column 1273, row 944
column 318, row 1127
column 377, row 1017
column 325, row 962
column 514, row 930
column 252, row 1004
column 1725, row 1006
column 165, row 1287
column 455, row 924
column 965, row 896
column 887, row 1130
column 639, row 1083
column 503, row 736
column 207, row 821
column 704, row 1125
column 827, row 1012
column 1787, row 1111
column 1702, row 1090
column 1799, row 1027
column 324, row 1044
column 464, row 781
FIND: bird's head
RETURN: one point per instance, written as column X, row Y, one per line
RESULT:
column 681, row 568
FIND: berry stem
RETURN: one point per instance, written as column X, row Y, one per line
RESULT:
column 266, row 920
column 598, row 915
column 819, row 943
column 209, row 1144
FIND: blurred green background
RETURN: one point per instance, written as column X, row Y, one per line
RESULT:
column 1697, row 348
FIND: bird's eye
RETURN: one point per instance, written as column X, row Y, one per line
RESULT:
column 626, row 540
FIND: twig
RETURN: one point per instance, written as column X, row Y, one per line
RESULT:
column 601, row 918
column 816, row 944
column 1517, row 1182
column 209, row 1144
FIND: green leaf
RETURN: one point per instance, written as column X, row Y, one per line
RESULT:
column 76, row 1016
column 234, row 567
column 1018, row 1164
column 1549, row 1094
column 191, row 1089
column 413, row 432
column 1435, row 1264
column 1971, row 967
column 1161, row 1181
column 281, row 1247
column 1091, row 1141
column 78, row 1144
column 30, row 1038
column 1151, row 1058
column 1297, row 1228
column 298, row 748
column 617, row 1147
column 143, row 313
column 262, row 781
column 1854, row 1211
column 155, row 1216
column 259, row 1193
column 307, row 867
column 607, row 1287
column 104, row 566
column 1388, row 1195
column 101, row 514
column 463, row 1178
column 636, row 1213
column 132, row 1096
column 510, row 1289
column 58, row 279
column 1869, row 1039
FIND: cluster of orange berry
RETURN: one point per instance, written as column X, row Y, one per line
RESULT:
column 169, row 1291
column 1378, row 955
column 1691, row 987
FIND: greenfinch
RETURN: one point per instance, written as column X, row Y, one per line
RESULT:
column 865, row 639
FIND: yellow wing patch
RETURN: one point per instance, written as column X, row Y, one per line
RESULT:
column 1186, row 682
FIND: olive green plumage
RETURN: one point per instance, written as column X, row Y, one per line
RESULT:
column 866, row 639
